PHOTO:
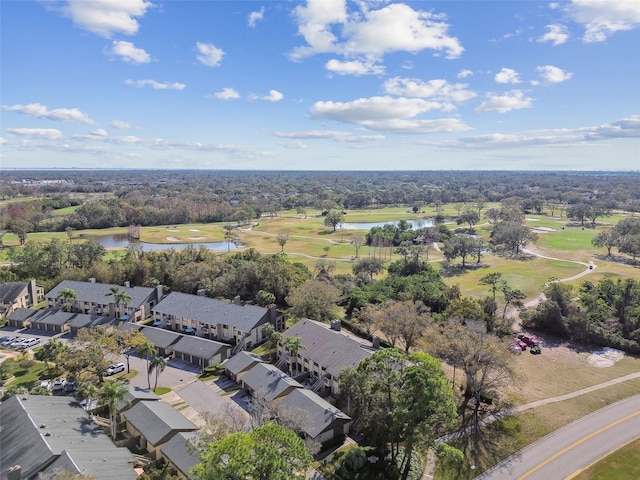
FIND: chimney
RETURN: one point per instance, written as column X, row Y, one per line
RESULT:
column 32, row 292
column 376, row 341
column 14, row 473
column 92, row 280
column 127, row 284
column 336, row 325
column 201, row 292
column 159, row 292
column 236, row 300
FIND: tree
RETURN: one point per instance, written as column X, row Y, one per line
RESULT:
column 157, row 365
column 512, row 236
column 357, row 241
column 403, row 322
column 606, row 238
column 130, row 340
column 578, row 212
column 315, row 299
column 333, row 219
column 270, row 452
column 512, row 297
column 459, row 246
column 230, row 236
column 52, row 351
column 123, row 298
column 470, row 216
column 494, row 280
column 111, row 394
column 66, row 294
column 91, row 352
column 293, row 345
column 148, row 350
column 398, row 399
column 368, row 266
column 282, row 239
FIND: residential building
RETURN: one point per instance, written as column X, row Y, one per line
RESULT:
column 43, row 434
column 19, row 318
column 14, row 295
column 268, row 382
column 236, row 366
column 326, row 352
column 98, row 299
column 178, row 453
column 200, row 351
column 215, row 319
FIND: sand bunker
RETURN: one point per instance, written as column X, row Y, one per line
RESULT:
column 173, row 239
column 605, row 357
column 172, row 230
column 197, row 238
column 194, row 230
column 544, row 229
column 532, row 219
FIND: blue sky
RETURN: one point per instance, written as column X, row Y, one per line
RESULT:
column 320, row 85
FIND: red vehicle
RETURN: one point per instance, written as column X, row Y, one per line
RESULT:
column 528, row 340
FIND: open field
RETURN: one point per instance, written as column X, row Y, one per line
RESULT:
column 623, row 464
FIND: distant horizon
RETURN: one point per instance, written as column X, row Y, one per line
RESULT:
column 305, row 85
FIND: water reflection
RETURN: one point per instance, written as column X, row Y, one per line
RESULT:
column 415, row 224
column 122, row 241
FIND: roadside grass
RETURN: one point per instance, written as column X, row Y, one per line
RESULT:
column 623, row 464
column 161, row 390
column 513, row 433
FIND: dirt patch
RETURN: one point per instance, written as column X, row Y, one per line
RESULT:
column 6, row 354
column 173, row 239
column 606, row 357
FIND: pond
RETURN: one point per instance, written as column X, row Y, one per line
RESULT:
column 415, row 224
column 122, row 241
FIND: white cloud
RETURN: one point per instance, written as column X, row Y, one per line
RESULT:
column 603, row 18
column 274, row 96
column 556, row 34
column 156, row 85
column 507, row 75
column 553, row 74
column 41, row 111
column 226, row 93
column 338, row 136
column 120, row 124
column 354, row 67
column 513, row 100
column 387, row 114
column 294, row 145
column 464, row 73
column 437, row 89
column 48, row 133
column 100, row 132
column 209, row 54
column 370, row 33
column 106, row 17
column 255, row 17
column 128, row 52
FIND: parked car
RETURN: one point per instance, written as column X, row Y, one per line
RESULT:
column 115, row 368
column 58, row 384
column 535, row 350
column 7, row 341
column 530, row 340
column 16, row 342
column 46, row 384
column 30, row 343
column 70, row 386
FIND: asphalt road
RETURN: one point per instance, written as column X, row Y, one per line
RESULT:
column 574, row 447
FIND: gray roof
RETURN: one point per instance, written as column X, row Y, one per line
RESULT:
column 242, row 361
column 84, row 320
column 10, row 291
column 129, row 326
column 212, row 311
column 22, row 314
column 135, row 395
column 38, row 430
column 199, row 347
column 157, row 421
column 99, row 292
column 329, row 348
column 269, row 381
column 160, row 337
column 179, row 454
column 51, row 317
column 317, row 414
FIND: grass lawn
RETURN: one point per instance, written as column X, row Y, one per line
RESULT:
column 161, row 390
column 26, row 377
column 623, row 464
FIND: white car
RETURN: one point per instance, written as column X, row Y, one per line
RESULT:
column 58, row 384
column 115, row 368
column 46, row 384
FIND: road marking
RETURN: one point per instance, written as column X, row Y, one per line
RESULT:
column 576, row 443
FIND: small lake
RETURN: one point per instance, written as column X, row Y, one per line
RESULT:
column 122, row 241
column 415, row 224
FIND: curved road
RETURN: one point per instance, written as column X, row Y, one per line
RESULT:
column 567, row 451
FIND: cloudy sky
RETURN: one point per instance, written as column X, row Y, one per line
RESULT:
column 320, row 84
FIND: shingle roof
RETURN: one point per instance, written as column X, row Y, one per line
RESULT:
column 135, row 395
column 37, row 429
column 84, row 320
column 329, row 348
column 99, row 292
column 212, row 311
column 179, row 454
column 242, row 361
column 21, row 314
column 160, row 337
column 10, row 291
column 52, row 317
column 318, row 414
column 157, row 421
column 199, row 347
column 269, row 381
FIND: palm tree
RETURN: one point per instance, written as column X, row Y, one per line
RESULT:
column 89, row 391
column 292, row 345
column 124, row 298
column 111, row 394
column 148, row 349
column 158, row 364
column 66, row 294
